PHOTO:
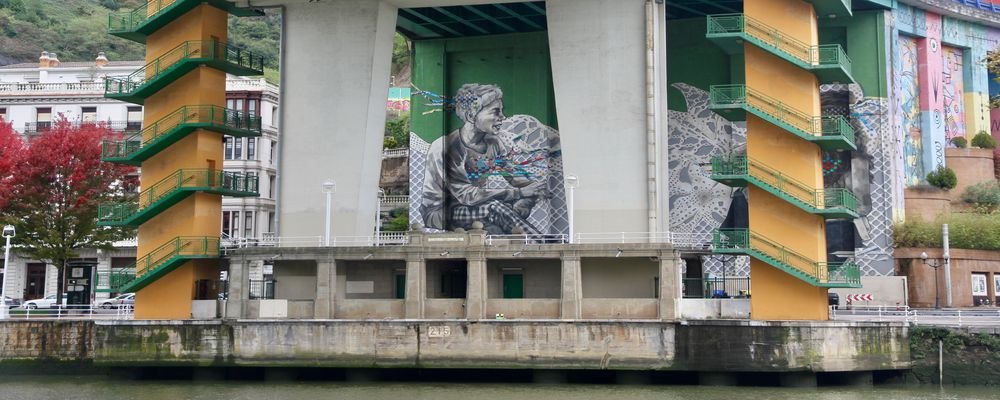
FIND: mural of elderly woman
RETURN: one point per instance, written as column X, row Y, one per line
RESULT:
column 457, row 191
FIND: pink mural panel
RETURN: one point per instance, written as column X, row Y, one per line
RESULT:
column 952, row 81
column 931, row 66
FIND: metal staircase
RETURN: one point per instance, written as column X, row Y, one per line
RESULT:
column 161, row 261
column 139, row 23
column 829, row 62
column 139, row 147
column 174, row 188
column 822, row 274
column 187, row 56
column 742, row 170
column 734, row 101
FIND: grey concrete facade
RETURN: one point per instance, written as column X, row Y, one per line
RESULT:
column 460, row 276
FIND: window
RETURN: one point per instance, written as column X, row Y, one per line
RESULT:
column 270, row 221
column 252, row 107
column 133, row 120
column 228, row 144
column 274, row 151
column 979, row 285
column 247, row 224
column 88, row 115
column 251, row 148
column 239, row 105
column 230, row 223
column 230, row 103
column 238, row 149
column 3, row 113
column 43, row 116
column 270, row 187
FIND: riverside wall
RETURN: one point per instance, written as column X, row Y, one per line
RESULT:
column 700, row 346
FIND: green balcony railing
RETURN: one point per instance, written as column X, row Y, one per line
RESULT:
column 813, row 58
column 178, row 61
column 834, row 203
column 148, row 18
column 168, row 256
column 174, row 188
column 825, row 274
column 833, row 132
column 171, row 128
column 115, row 278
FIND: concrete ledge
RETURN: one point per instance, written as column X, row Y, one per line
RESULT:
column 700, row 346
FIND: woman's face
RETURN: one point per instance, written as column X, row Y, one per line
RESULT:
column 488, row 120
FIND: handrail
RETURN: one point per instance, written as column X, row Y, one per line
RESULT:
column 130, row 20
column 201, row 114
column 31, row 128
column 205, row 179
column 815, row 198
column 741, row 95
column 821, row 272
column 179, row 246
column 807, row 55
column 189, row 50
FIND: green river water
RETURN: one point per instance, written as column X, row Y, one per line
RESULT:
column 72, row 388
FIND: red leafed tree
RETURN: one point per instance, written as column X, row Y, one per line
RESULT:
column 53, row 189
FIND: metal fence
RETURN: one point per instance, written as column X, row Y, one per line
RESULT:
column 75, row 312
column 716, row 288
column 261, row 289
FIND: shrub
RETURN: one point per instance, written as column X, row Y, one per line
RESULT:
column 983, row 140
column 985, row 196
column 967, row 231
column 959, row 142
column 389, row 142
column 943, row 178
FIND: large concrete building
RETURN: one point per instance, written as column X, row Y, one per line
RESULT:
column 607, row 140
column 35, row 95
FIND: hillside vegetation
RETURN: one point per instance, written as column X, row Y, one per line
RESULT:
column 77, row 30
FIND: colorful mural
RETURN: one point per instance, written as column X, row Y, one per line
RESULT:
column 954, row 92
column 908, row 108
column 503, row 172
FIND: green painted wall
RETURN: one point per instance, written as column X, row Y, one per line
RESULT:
column 696, row 61
column 864, row 38
column 518, row 63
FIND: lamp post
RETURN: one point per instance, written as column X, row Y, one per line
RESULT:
column 571, row 182
column 933, row 264
column 329, row 187
column 8, row 233
column 378, row 216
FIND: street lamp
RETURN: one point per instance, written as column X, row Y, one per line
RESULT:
column 933, row 264
column 571, row 182
column 329, row 187
column 378, row 216
column 8, row 233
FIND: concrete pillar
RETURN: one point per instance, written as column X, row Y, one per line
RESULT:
column 326, row 289
column 416, row 282
column 333, row 113
column 239, row 269
column 572, row 290
column 590, row 38
column 798, row 379
column 670, row 287
column 717, row 379
column 475, row 296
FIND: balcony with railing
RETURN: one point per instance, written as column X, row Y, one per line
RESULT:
column 171, row 190
column 734, row 101
column 142, row 21
column 139, row 147
column 822, row 274
column 742, row 170
column 829, row 62
column 37, row 128
column 187, row 56
column 51, row 89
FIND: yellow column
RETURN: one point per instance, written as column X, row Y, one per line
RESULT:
column 777, row 294
column 199, row 215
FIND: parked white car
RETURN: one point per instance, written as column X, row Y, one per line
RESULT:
column 46, row 302
column 124, row 299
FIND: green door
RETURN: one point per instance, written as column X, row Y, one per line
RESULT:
column 400, row 286
column 513, row 286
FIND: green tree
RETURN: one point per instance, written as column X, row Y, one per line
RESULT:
column 56, row 182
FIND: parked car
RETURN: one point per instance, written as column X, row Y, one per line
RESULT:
column 11, row 303
column 124, row 299
column 46, row 302
column 834, row 300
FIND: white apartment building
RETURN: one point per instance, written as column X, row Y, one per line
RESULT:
column 34, row 95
